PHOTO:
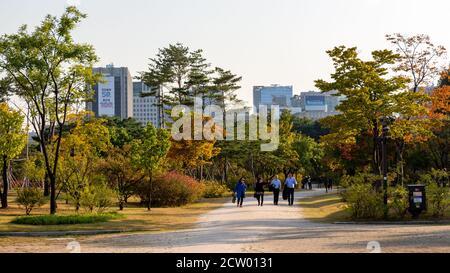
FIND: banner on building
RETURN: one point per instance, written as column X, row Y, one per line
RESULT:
column 106, row 97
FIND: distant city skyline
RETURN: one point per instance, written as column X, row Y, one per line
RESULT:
column 264, row 41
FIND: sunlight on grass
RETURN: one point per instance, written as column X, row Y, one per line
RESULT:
column 326, row 208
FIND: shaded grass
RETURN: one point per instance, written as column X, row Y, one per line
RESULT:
column 325, row 208
column 48, row 220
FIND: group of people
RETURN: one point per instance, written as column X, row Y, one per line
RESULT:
column 320, row 181
column 275, row 186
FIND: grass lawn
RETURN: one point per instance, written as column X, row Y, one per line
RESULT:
column 325, row 208
column 330, row 208
column 134, row 218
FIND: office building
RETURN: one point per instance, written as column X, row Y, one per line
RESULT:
column 272, row 95
column 317, row 105
column 145, row 108
column 113, row 94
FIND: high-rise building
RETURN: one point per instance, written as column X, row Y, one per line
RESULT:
column 145, row 109
column 317, row 105
column 272, row 95
column 113, row 94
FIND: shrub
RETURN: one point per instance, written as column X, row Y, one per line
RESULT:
column 29, row 198
column 438, row 199
column 347, row 181
column 96, row 197
column 47, row 220
column 364, row 202
column 170, row 190
column 214, row 189
column 398, row 200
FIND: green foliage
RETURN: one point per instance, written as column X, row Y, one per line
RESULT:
column 81, row 150
column 12, row 141
column 398, row 200
column 149, row 152
column 438, row 199
column 170, row 190
column 48, row 70
column 96, row 196
column 371, row 94
column 29, row 198
column 214, row 189
column 435, row 176
column 359, row 178
column 52, row 220
column 121, row 174
column 12, row 135
column 311, row 128
column 364, row 202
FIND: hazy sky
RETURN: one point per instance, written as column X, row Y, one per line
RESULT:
column 264, row 41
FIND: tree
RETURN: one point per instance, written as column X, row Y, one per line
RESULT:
column 123, row 176
column 50, row 72
column 176, row 75
column 419, row 58
column 30, row 198
column 12, row 141
column 123, row 131
column 81, row 150
column 370, row 96
column 150, row 152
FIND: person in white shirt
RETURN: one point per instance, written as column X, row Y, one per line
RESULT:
column 276, row 186
column 290, row 184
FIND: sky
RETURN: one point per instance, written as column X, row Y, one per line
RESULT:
column 264, row 41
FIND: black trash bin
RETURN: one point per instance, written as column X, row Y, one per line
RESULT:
column 417, row 200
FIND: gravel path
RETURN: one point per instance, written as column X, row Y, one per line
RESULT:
column 263, row 229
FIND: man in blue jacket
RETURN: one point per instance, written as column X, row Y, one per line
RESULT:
column 239, row 191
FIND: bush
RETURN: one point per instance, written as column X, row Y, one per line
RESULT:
column 170, row 190
column 47, row 220
column 96, row 197
column 29, row 198
column 347, row 181
column 398, row 200
column 364, row 202
column 438, row 199
column 214, row 189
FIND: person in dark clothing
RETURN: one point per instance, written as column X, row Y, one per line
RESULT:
column 309, row 183
column 239, row 191
column 259, row 191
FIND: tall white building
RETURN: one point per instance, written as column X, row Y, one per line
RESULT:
column 145, row 109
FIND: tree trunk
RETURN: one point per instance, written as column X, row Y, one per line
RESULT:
column 46, row 186
column 149, row 204
column 52, row 194
column 4, row 194
column 376, row 149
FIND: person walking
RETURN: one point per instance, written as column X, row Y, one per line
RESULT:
column 290, row 184
column 239, row 191
column 259, row 191
column 309, row 183
column 276, row 186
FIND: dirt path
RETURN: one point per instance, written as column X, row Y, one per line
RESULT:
column 264, row 229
